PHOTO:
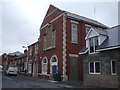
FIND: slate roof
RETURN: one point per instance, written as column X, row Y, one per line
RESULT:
column 101, row 32
column 17, row 53
column 112, row 40
column 86, row 20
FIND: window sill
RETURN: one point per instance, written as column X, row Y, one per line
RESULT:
column 74, row 42
column 94, row 53
column 113, row 74
column 95, row 73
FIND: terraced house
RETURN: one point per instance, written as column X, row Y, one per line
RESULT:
column 32, row 60
column 62, row 36
column 101, row 57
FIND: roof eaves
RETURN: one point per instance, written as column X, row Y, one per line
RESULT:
column 108, row 48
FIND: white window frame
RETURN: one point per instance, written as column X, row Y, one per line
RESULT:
column 94, row 49
column 36, row 48
column 30, row 67
column 112, row 68
column 46, row 64
column 31, row 50
column 73, row 35
column 94, row 67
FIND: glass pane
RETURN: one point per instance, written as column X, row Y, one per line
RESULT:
column 74, row 26
column 44, row 67
column 74, row 32
column 91, row 45
column 97, row 67
column 113, row 67
column 44, row 61
column 91, row 67
column 54, row 59
column 74, row 39
column 96, row 41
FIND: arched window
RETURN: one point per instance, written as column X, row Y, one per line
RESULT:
column 49, row 38
column 30, row 67
column 44, row 66
column 54, row 59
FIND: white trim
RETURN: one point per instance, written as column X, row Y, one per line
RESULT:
column 112, row 67
column 50, row 13
column 94, row 67
column 94, row 53
column 47, row 66
column 52, row 21
column 108, row 48
column 30, row 66
column 43, row 74
column 72, row 21
column 73, row 55
column 74, row 35
column 65, row 77
column 89, row 33
column 54, row 63
column 94, row 49
column 84, row 52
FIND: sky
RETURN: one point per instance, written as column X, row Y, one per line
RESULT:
column 20, row 20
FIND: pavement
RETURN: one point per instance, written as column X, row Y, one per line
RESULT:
column 65, row 84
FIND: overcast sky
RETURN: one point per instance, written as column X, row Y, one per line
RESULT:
column 20, row 21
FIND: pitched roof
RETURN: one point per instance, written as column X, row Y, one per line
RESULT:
column 17, row 53
column 112, row 40
column 81, row 18
column 100, row 32
column 86, row 20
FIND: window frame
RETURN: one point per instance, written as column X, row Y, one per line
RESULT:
column 46, row 64
column 94, row 67
column 94, row 45
column 30, row 50
column 74, row 35
column 30, row 67
column 112, row 68
column 49, row 41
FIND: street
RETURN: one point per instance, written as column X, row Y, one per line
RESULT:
column 34, row 83
column 22, row 82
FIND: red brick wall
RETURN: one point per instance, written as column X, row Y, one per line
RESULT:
column 58, row 49
column 52, row 16
column 75, row 48
column 58, row 25
column 0, row 60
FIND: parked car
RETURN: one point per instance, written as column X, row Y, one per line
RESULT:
column 12, row 71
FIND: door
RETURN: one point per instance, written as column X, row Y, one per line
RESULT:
column 35, row 69
column 73, row 76
column 54, row 70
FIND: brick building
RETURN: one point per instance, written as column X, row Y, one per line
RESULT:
column 20, row 62
column 8, row 57
column 62, row 35
column 32, row 59
column 101, row 58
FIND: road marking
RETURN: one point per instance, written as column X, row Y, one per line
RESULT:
column 8, row 78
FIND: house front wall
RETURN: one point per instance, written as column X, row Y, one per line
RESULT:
column 74, row 60
column 105, row 78
column 56, row 20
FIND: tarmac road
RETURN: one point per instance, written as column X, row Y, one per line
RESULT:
column 22, row 82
